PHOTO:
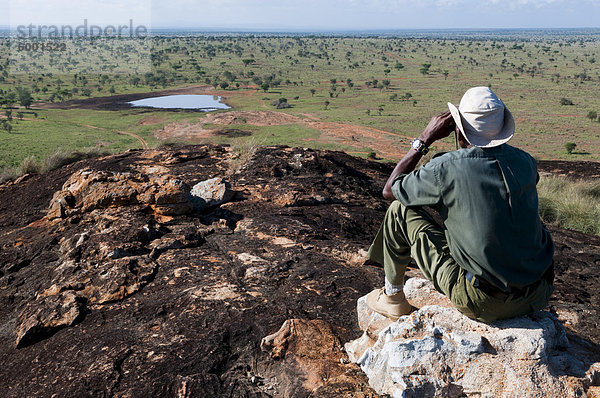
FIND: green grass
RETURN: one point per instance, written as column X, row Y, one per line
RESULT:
column 570, row 204
column 69, row 130
column 546, row 68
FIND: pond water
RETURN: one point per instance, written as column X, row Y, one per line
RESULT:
column 205, row 103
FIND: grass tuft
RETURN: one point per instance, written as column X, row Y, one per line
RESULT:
column 55, row 160
column 29, row 166
column 8, row 173
column 243, row 152
column 570, row 204
column 61, row 157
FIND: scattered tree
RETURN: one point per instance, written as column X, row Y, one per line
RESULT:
column 327, row 104
column 24, row 96
column 6, row 126
column 592, row 115
column 425, row 69
column 9, row 99
column 570, row 147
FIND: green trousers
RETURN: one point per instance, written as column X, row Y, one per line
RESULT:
column 412, row 233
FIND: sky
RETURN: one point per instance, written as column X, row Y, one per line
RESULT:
column 310, row 14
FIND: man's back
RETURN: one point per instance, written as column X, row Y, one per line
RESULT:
column 488, row 200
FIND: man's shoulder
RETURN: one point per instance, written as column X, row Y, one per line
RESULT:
column 503, row 150
column 518, row 152
column 463, row 153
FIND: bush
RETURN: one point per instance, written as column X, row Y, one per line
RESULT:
column 566, row 101
column 570, row 147
column 592, row 115
column 281, row 103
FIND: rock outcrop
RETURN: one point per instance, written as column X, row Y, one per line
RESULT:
column 88, row 190
column 438, row 352
column 113, row 284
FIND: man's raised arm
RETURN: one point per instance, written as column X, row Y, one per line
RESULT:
column 439, row 127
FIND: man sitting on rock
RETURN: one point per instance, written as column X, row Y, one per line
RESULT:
column 492, row 258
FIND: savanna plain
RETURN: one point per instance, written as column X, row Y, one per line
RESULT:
column 366, row 95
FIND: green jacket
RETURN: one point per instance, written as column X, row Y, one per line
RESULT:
column 488, row 200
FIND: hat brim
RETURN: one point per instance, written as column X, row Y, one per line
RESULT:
column 504, row 136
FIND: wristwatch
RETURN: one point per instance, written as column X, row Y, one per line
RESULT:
column 419, row 146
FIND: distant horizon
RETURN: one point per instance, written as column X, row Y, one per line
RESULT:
column 275, row 29
column 307, row 29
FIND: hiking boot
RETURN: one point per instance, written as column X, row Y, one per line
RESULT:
column 392, row 306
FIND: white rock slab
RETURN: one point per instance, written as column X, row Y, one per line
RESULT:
column 438, row 352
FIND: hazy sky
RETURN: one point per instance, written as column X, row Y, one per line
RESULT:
column 313, row 14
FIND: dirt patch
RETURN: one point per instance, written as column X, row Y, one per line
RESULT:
column 151, row 120
column 184, row 131
column 255, row 118
column 384, row 143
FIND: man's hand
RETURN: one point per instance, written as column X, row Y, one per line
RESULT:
column 439, row 127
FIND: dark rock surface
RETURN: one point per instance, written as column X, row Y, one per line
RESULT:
column 129, row 292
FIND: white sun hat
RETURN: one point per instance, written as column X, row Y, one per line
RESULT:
column 483, row 119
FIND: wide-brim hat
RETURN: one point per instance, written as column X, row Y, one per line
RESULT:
column 483, row 119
